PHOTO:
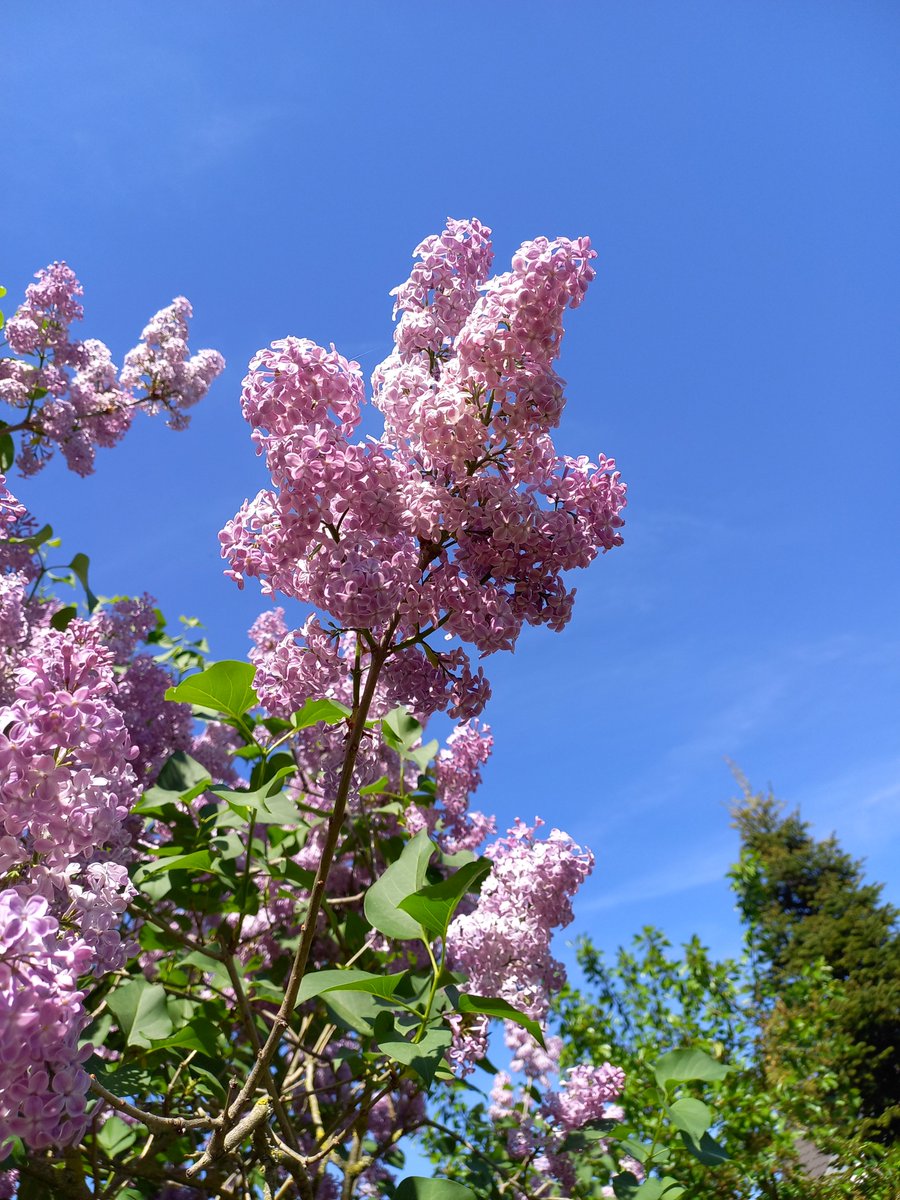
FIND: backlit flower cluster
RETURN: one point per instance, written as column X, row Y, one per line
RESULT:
column 68, row 394
column 457, row 775
column 462, row 517
column 503, row 944
column 537, row 1131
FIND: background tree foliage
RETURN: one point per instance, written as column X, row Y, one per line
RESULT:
column 807, row 1014
column 805, row 901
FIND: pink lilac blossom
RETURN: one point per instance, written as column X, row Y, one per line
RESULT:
column 65, row 753
column 213, row 748
column 15, row 522
column 584, row 1096
column 162, row 365
column 627, row 1163
column 125, row 623
column 41, row 324
column 13, row 622
column 156, row 726
column 560, row 1166
column 462, row 517
column 443, row 287
column 504, row 943
column 531, row 1059
column 101, row 893
column 457, row 776
column 75, row 398
column 42, row 1082
column 67, row 787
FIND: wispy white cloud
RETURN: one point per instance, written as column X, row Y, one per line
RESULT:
column 696, row 870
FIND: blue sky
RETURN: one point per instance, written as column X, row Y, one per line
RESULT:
column 736, row 166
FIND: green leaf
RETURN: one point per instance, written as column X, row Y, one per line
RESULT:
column 415, row 1187
column 36, row 540
column 225, row 687
column 400, row 728
column 140, row 1011
column 7, row 452
column 493, row 1007
column 115, row 1136
column 422, row 755
column 433, row 906
column 356, row 1010
column 180, row 773
column 586, row 1139
column 625, row 1185
column 376, row 788
column 679, row 1066
column 401, row 879
column 424, row 1056
column 317, row 982
column 197, row 860
column 199, row 1034
column 62, row 618
column 313, row 712
column 706, row 1149
column 126, row 1081
column 691, row 1116
column 258, row 797
column 79, row 567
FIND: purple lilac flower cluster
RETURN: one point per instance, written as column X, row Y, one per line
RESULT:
column 538, row 1131
column 462, row 517
column 68, row 784
column 504, row 943
column 68, row 393
column 82, row 723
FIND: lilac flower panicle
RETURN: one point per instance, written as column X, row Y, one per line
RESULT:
column 504, row 943
column 462, row 516
column 585, row 1095
column 42, row 1082
column 74, row 396
column 66, row 787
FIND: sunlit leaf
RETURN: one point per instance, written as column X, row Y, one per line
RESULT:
column 401, row 879
column 225, row 687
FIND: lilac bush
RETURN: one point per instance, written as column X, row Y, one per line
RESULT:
column 246, row 937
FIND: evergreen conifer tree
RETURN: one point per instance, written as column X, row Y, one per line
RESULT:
column 805, row 900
